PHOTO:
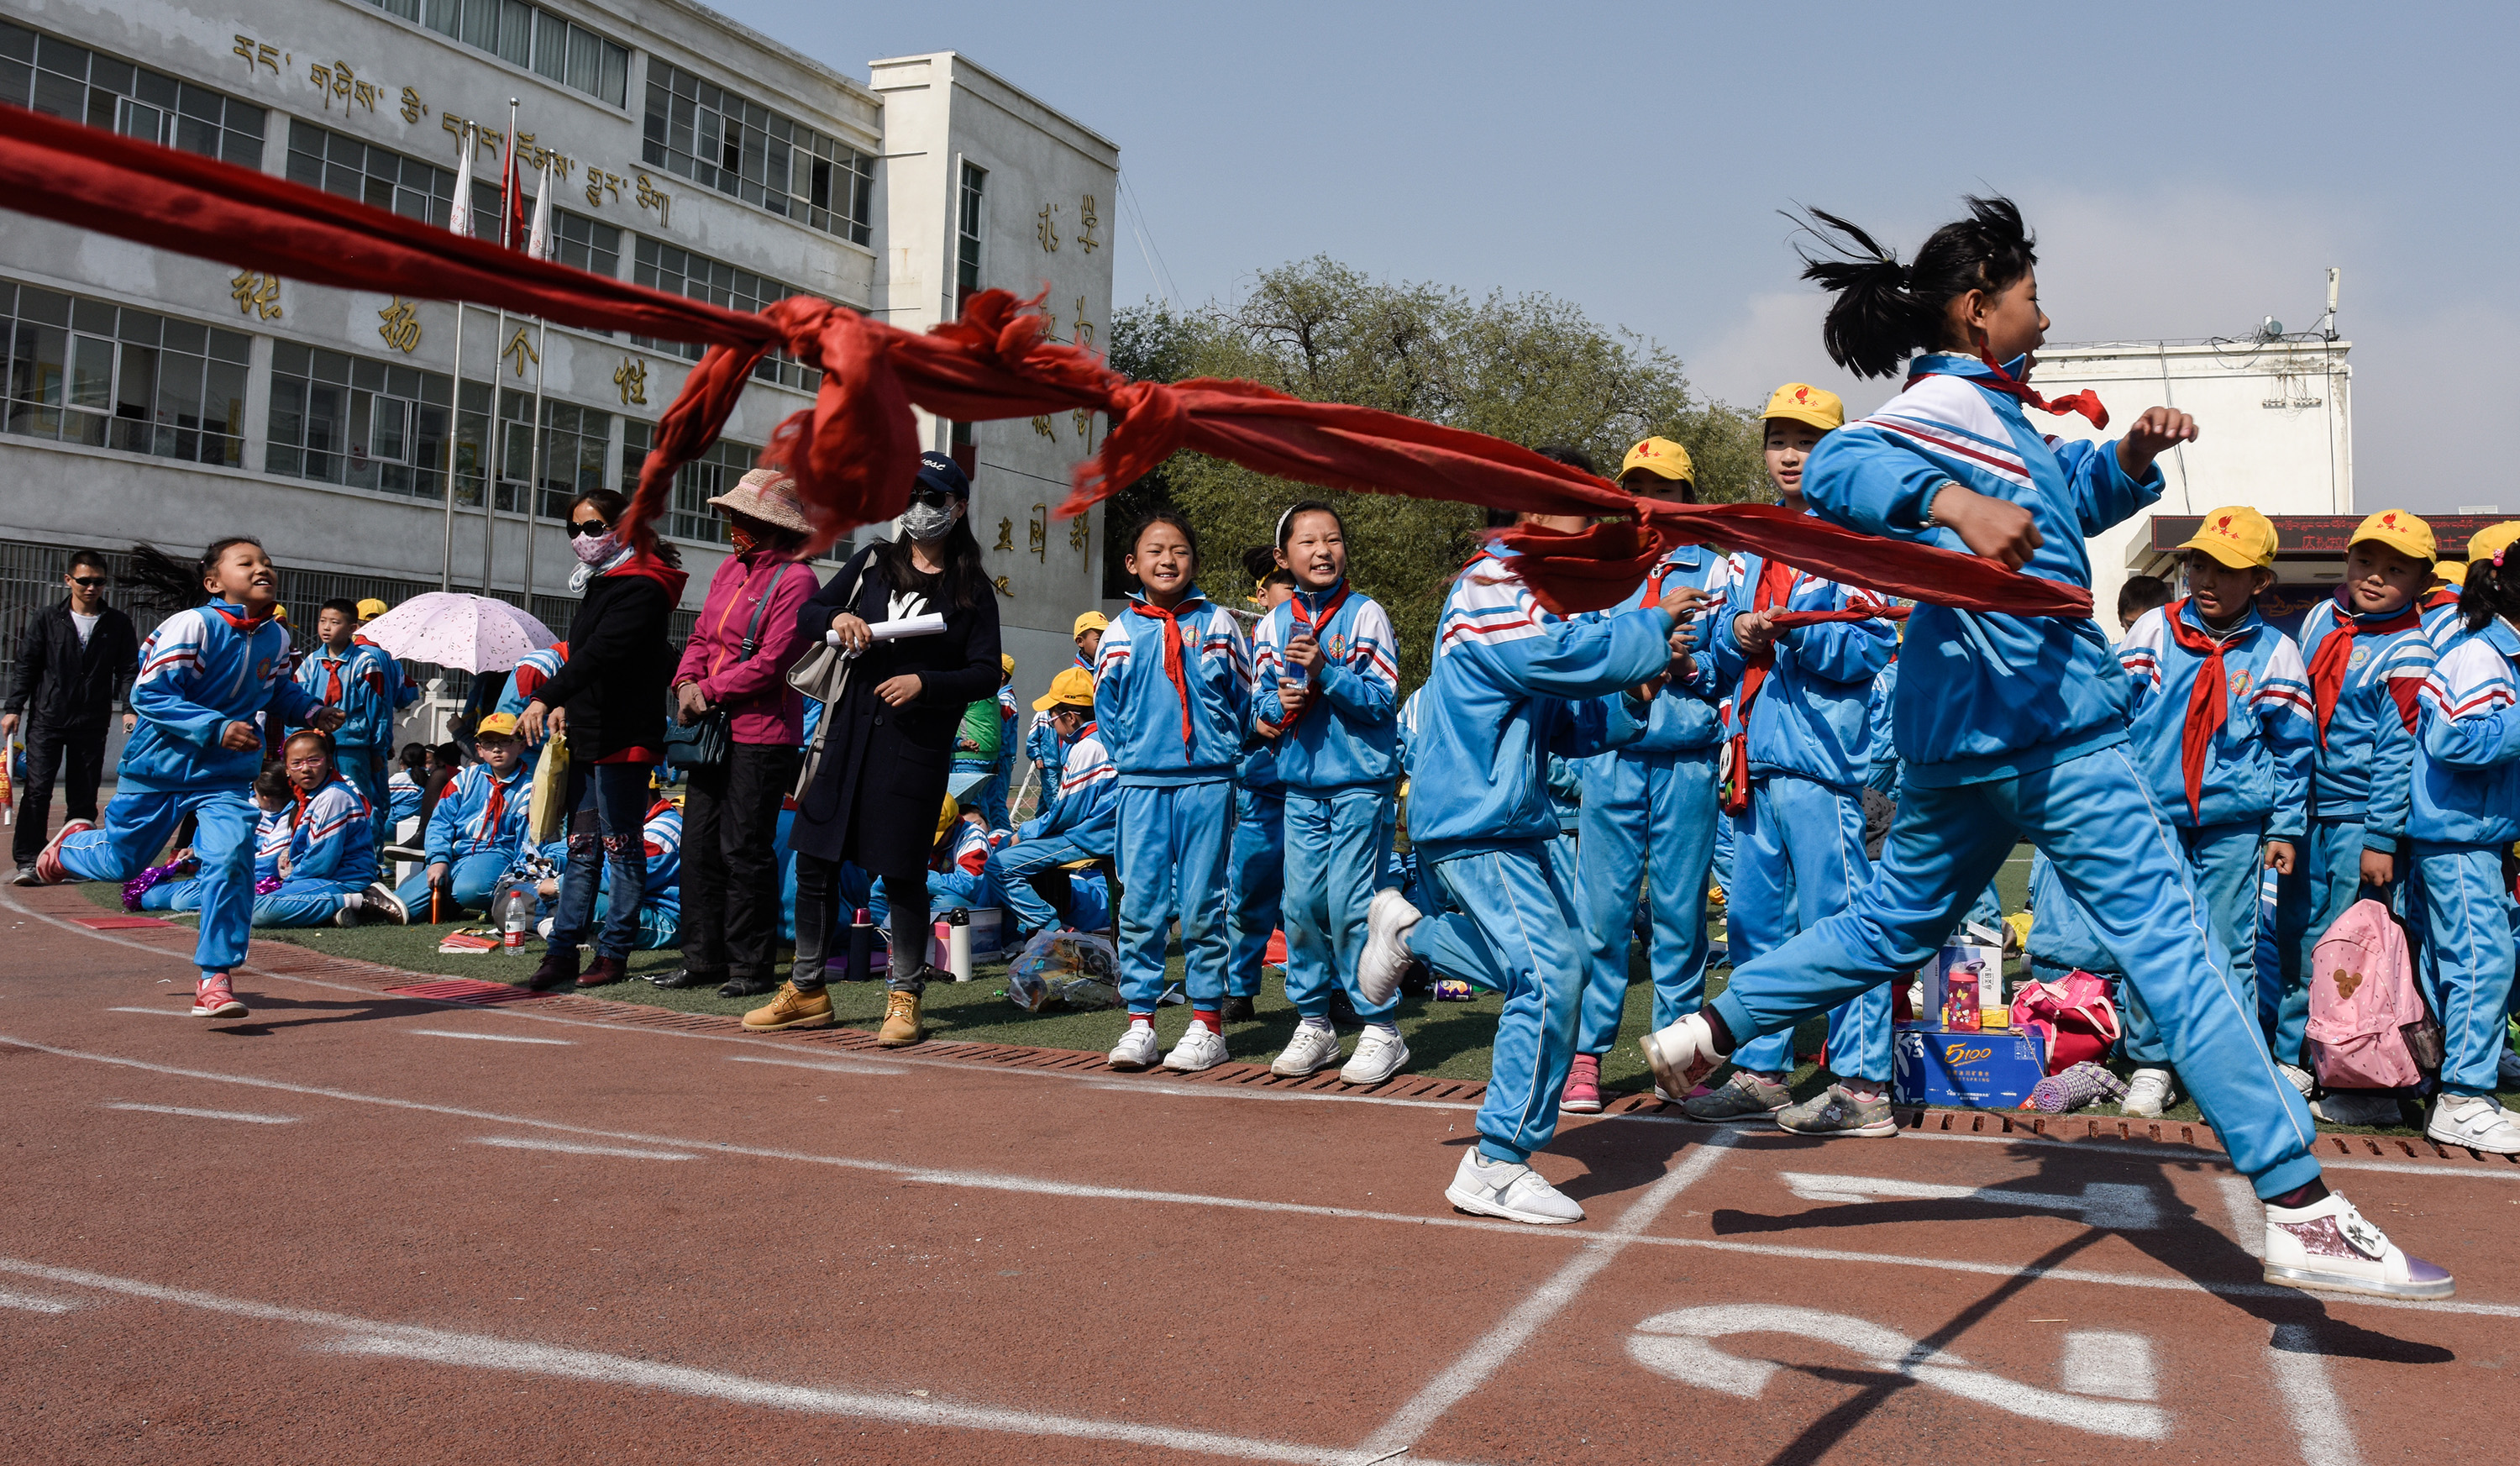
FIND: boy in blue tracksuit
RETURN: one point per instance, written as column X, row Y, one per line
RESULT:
column 1799, row 750
column 1079, row 817
column 1511, row 683
column 2017, row 725
column 478, row 827
column 362, row 681
column 1326, row 683
column 208, row 678
column 1171, row 691
column 2466, row 817
column 1255, row 864
column 329, row 875
column 2222, row 731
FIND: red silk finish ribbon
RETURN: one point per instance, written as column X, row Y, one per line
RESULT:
column 855, row 454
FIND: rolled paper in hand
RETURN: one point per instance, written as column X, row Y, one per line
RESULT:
column 928, row 624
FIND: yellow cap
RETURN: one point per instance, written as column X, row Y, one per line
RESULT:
column 2451, row 572
column 497, row 723
column 2491, row 538
column 2398, row 530
column 2238, row 537
column 371, row 608
column 1073, row 685
column 1660, row 456
column 1006, row 663
column 945, row 817
column 279, row 613
column 1091, row 620
column 1806, row 403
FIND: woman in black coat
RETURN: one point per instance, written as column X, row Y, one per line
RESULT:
column 888, row 741
column 609, row 698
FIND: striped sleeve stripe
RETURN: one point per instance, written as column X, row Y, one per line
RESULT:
column 1940, row 441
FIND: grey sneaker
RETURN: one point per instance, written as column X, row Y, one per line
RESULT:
column 1746, row 1095
column 1837, row 1112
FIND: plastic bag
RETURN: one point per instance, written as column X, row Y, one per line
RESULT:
column 1064, row 969
column 546, row 815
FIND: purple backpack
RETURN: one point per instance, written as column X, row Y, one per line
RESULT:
column 2368, row 1028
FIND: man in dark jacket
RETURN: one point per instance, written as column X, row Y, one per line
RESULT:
column 76, row 660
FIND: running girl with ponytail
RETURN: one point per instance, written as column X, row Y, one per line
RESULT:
column 2016, row 726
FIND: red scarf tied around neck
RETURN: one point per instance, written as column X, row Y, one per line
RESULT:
column 2335, row 655
column 2209, row 701
column 2086, row 402
column 1173, row 667
column 1775, row 587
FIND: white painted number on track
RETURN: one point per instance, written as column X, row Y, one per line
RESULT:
column 2107, row 1205
column 487, row 1037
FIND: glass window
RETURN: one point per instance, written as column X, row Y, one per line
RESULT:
column 592, row 247
column 700, row 480
column 575, row 440
column 683, row 273
column 719, row 140
column 50, row 75
column 528, row 36
column 341, row 163
column 361, row 423
column 966, row 242
column 89, row 372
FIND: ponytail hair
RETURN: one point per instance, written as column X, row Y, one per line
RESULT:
column 162, row 581
column 2493, row 589
column 1885, row 312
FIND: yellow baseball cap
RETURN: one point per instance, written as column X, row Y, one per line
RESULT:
column 2491, row 538
column 371, row 608
column 1806, row 403
column 1073, row 686
column 1006, row 663
column 945, row 818
column 2398, row 530
column 1662, row 457
column 499, row 725
column 2238, row 537
column 1091, row 620
column 2451, row 572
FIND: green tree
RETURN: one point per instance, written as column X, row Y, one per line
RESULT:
column 1532, row 369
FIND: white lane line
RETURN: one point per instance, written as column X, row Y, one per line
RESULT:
column 1295, row 1096
column 2165, row 1151
column 33, row 1305
column 242, row 1117
column 153, row 1012
column 373, row 1336
column 2248, row 1214
column 571, row 1148
column 847, row 1066
column 487, row 1038
column 1490, row 1351
column 2109, row 1206
column 2300, row 1368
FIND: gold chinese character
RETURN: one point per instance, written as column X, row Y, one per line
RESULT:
column 653, row 197
column 257, row 53
column 1080, row 531
column 1083, row 418
column 1086, row 219
column 1041, row 424
column 521, row 350
column 257, row 295
column 631, row 377
column 1084, row 333
column 413, row 109
column 1046, row 227
column 1004, row 588
column 1040, row 531
column 1005, row 536
column 401, row 328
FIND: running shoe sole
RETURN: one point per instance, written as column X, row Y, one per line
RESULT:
column 2328, row 1282
column 1463, row 1201
column 1580, row 1106
column 229, row 1009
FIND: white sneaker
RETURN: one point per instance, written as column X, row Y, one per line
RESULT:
column 1379, row 1056
column 2474, row 1120
column 1515, row 1192
column 1137, row 1048
column 1385, row 958
column 2147, row 1094
column 1200, row 1047
column 1310, row 1051
column 1681, row 1056
column 2327, row 1245
column 2298, row 1076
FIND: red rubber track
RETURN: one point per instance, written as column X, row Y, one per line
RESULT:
column 368, row 1226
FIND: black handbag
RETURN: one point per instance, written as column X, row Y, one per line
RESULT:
column 707, row 742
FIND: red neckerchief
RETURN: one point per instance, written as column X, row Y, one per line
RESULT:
column 332, row 675
column 1173, row 667
column 1314, row 624
column 2327, row 664
column 1775, row 587
column 249, row 624
column 2087, row 401
column 2208, row 702
column 2438, row 597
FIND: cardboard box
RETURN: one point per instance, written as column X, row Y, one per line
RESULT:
column 1930, row 1065
column 1937, row 974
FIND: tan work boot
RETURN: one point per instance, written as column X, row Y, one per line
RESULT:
column 792, row 1009
column 901, row 1025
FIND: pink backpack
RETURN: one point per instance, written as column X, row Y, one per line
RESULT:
column 2368, row 1025
column 2073, row 1017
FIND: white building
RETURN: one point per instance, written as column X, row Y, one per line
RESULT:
column 161, row 397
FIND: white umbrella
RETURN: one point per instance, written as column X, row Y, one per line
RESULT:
column 453, row 629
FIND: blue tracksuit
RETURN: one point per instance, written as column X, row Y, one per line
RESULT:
column 1798, row 846
column 402, row 796
column 1175, row 742
column 270, row 835
column 478, row 828
column 532, row 670
column 332, row 854
column 1256, row 865
column 2466, row 815
column 2361, row 783
column 2015, row 726
column 1511, row 683
column 201, row 670
column 1340, row 760
column 1648, row 817
column 364, row 681
column 1079, row 821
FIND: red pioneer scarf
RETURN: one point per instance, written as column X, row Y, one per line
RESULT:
column 2087, row 402
column 1776, row 586
column 2208, row 702
column 1173, row 667
column 2329, row 664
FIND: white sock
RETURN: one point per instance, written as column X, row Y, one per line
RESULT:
column 1317, row 1024
column 1384, row 1029
column 354, row 901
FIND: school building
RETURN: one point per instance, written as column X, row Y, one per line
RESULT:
column 161, row 397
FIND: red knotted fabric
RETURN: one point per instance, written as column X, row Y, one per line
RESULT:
column 1174, row 670
column 1788, row 621
column 2208, row 702
column 2086, row 402
column 2335, row 655
column 854, row 454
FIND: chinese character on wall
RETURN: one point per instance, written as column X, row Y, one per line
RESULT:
column 257, row 295
column 631, row 377
column 1005, row 536
column 1086, row 219
column 1040, row 527
column 401, row 328
column 521, row 350
column 1080, row 533
column 1041, row 426
column 1046, row 227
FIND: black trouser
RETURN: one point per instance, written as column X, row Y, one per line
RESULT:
column 47, row 748
column 818, row 916
column 731, row 860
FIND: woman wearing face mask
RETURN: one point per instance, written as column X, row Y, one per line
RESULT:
column 610, row 699
column 888, row 746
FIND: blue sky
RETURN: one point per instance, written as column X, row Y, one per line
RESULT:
column 2191, row 168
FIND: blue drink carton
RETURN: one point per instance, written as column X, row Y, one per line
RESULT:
column 1932, row 1066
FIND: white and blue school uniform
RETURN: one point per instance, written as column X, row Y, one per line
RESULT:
column 1080, row 820
column 201, row 670
column 270, row 841
column 1171, row 693
column 2254, row 785
column 1647, row 817
column 1255, row 864
column 331, row 857
column 2016, row 726
column 1340, row 763
column 1798, row 841
column 478, row 828
column 402, row 796
column 1512, row 683
column 536, row 668
column 2442, row 624
column 2466, row 815
column 362, row 680
column 2361, row 781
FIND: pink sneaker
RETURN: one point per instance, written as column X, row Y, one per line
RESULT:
column 1583, row 1092
column 49, row 869
column 214, row 999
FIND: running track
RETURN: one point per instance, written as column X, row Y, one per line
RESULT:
column 365, row 1227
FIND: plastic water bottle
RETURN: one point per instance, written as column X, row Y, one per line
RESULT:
column 515, row 916
column 958, row 944
column 861, row 960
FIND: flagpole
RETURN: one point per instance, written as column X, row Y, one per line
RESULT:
column 499, row 428
column 462, row 209
column 539, row 245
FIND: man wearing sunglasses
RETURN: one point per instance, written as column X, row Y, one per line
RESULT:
column 75, row 661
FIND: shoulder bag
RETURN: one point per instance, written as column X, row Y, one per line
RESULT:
column 706, row 741
column 823, row 674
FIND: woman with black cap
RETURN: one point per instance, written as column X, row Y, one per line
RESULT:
column 888, row 740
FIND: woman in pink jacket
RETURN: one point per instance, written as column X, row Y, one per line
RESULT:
column 736, row 663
